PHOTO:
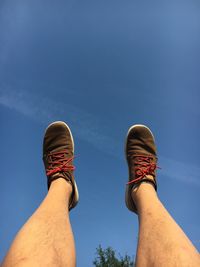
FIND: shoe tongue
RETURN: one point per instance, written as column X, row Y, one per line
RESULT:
column 55, row 148
column 65, row 149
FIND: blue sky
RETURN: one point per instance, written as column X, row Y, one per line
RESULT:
column 101, row 66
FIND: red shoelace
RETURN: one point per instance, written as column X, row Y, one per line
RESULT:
column 59, row 163
column 144, row 165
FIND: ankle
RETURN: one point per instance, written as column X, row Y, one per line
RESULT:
column 61, row 185
column 143, row 195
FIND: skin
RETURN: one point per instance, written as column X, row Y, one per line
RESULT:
column 161, row 243
column 46, row 239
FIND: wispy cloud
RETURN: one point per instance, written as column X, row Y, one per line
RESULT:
column 174, row 169
column 44, row 110
column 86, row 127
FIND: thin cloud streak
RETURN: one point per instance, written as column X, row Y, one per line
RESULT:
column 174, row 169
column 86, row 127
column 44, row 110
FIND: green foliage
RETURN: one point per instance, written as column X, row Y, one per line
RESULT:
column 107, row 258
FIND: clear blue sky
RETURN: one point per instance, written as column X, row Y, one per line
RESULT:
column 101, row 66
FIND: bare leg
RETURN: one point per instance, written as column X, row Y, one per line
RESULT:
column 46, row 239
column 162, row 243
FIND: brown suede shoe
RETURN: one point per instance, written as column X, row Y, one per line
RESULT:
column 141, row 157
column 58, row 155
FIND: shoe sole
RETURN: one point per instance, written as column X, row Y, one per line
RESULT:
column 76, row 194
column 128, row 199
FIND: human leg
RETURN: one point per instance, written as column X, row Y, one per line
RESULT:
column 161, row 242
column 46, row 239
